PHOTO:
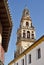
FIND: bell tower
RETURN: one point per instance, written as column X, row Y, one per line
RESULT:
column 26, row 32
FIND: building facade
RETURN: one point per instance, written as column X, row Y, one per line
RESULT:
column 5, row 29
column 32, row 56
column 29, row 50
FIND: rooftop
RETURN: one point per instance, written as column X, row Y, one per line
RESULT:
column 6, row 22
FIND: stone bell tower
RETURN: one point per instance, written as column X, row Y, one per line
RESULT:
column 26, row 33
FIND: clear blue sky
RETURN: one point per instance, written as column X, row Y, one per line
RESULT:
column 16, row 7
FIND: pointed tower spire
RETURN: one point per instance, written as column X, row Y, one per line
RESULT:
column 26, row 14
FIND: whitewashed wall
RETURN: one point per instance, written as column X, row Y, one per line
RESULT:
column 34, row 59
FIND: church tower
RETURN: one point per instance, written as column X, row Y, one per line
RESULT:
column 26, row 33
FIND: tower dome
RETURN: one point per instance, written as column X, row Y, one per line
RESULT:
column 26, row 14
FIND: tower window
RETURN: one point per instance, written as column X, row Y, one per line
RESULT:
column 24, row 34
column 27, row 24
column 39, row 53
column 32, row 36
column 32, row 32
column 29, row 58
column 28, row 34
column 27, row 13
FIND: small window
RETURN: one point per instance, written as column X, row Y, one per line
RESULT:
column 27, row 13
column 27, row 24
column 32, row 31
column 22, row 61
column 32, row 36
column 28, row 34
column 39, row 53
column 23, row 33
column 29, row 58
column 16, row 63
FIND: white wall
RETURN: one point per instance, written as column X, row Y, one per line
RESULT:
column 20, row 61
column 34, row 59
